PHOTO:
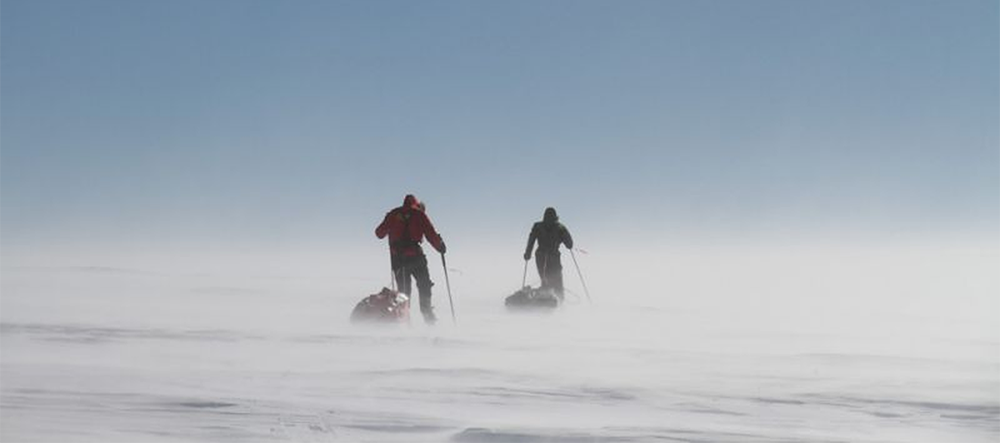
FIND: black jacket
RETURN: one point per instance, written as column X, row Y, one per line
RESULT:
column 549, row 236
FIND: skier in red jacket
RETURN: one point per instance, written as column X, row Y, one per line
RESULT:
column 406, row 227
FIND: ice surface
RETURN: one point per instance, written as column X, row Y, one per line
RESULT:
column 107, row 355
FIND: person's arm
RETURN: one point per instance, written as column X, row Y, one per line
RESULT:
column 432, row 235
column 531, row 244
column 566, row 238
column 383, row 228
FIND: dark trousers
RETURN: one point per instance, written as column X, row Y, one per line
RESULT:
column 550, row 270
column 407, row 269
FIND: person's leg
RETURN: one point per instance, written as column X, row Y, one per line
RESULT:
column 555, row 274
column 424, row 284
column 557, row 282
column 541, row 263
column 403, row 280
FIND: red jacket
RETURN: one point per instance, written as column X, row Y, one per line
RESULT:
column 406, row 226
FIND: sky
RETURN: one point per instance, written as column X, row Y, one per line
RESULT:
column 801, row 176
column 302, row 122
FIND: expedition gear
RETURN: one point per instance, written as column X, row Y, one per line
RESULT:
column 529, row 298
column 406, row 227
column 386, row 306
column 550, row 234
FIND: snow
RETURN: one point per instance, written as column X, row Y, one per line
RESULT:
column 92, row 353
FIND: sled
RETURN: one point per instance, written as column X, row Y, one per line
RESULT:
column 529, row 298
column 387, row 306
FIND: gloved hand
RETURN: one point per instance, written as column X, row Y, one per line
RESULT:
column 443, row 247
column 527, row 256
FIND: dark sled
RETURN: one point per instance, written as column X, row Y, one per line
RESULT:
column 387, row 306
column 529, row 298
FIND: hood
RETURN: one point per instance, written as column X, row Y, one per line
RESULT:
column 410, row 201
column 550, row 215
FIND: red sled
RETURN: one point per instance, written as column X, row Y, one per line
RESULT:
column 387, row 306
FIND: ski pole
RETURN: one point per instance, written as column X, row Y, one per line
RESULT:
column 585, row 290
column 392, row 269
column 448, row 285
column 524, row 277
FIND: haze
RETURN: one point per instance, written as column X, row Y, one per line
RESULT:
column 787, row 213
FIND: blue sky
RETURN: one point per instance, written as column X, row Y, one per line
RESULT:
column 280, row 121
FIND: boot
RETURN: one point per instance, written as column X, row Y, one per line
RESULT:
column 430, row 318
column 427, row 310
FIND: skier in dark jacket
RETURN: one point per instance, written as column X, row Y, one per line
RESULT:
column 549, row 233
column 406, row 227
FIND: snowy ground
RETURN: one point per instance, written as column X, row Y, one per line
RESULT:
column 277, row 361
